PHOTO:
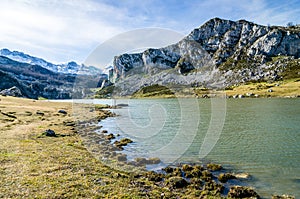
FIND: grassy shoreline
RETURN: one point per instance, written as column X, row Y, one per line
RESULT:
column 289, row 88
column 35, row 166
column 67, row 166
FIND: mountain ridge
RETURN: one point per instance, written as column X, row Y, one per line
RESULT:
column 226, row 52
column 69, row 68
column 35, row 81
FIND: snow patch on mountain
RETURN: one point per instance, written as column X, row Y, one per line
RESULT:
column 66, row 68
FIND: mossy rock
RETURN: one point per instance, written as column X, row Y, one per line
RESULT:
column 168, row 169
column 283, row 197
column 153, row 161
column 122, row 157
column 123, row 142
column 242, row 192
column 206, row 176
column 176, row 182
column 110, row 136
column 187, row 168
column 213, row 187
column 153, row 91
column 224, row 177
column 192, row 171
column 140, row 161
column 153, row 176
column 214, row 167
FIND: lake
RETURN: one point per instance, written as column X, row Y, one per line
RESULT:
column 257, row 136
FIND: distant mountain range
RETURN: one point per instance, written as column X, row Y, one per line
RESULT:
column 34, row 77
column 218, row 54
column 68, row 68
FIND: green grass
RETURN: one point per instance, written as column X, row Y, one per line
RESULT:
column 153, row 91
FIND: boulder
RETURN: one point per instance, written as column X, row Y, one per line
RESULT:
column 122, row 142
column 214, row 167
column 153, row 161
column 153, row 176
column 283, row 197
column 176, row 182
column 168, row 169
column 242, row 192
column 224, row 177
column 110, row 136
column 50, row 133
column 63, row 112
column 13, row 91
column 122, row 157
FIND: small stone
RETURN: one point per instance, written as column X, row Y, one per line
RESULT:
column 214, row 167
column 40, row 113
column 63, row 112
column 49, row 133
column 242, row 175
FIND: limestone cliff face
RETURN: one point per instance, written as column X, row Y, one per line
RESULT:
column 216, row 44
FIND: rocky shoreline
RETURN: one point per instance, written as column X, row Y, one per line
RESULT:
column 47, row 152
column 183, row 179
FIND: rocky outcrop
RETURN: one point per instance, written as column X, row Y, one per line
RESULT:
column 13, row 91
column 222, row 52
column 224, row 38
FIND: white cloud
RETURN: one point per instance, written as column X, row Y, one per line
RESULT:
column 60, row 30
column 59, row 24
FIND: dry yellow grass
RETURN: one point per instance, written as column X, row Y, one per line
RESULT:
column 288, row 88
column 35, row 166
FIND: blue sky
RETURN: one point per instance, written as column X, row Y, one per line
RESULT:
column 64, row 30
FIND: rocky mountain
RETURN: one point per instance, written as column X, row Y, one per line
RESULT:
column 34, row 81
column 68, row 68
column 218, row 54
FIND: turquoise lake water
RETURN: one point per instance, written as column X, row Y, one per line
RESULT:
column 257, row 136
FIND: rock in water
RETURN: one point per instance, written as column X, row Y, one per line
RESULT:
column 242, row 192
column 283, row 197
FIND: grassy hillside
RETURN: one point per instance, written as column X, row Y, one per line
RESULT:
column 154, row 91
column 285, row 88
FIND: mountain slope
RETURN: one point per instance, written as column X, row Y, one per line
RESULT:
column 69, row 68
column 218, row 54
column 35, row 81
